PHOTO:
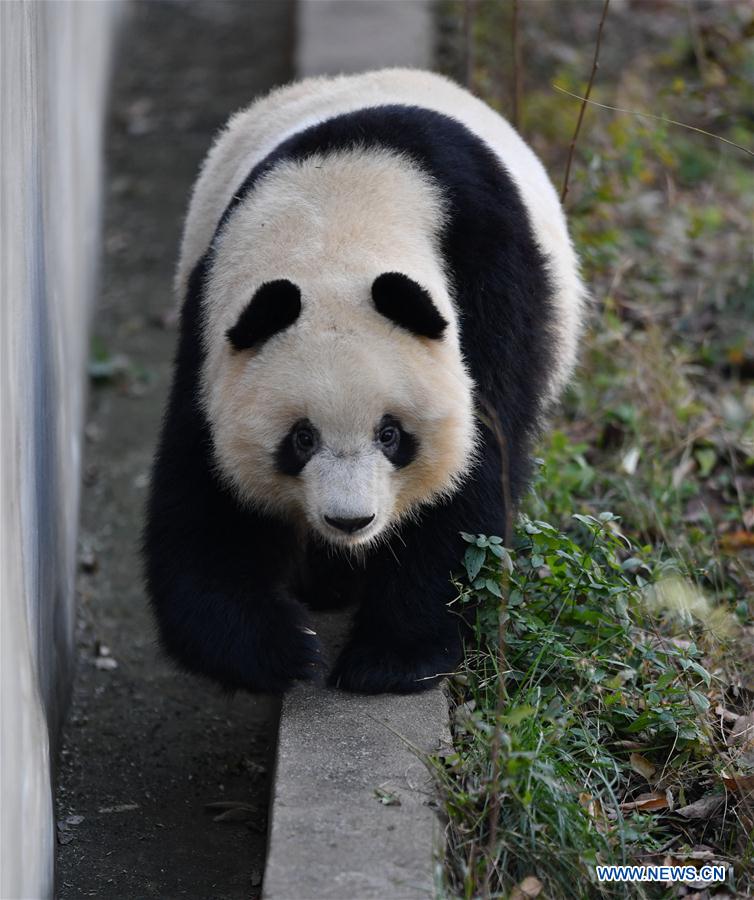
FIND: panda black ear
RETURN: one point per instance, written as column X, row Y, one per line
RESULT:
column 406, row 303
column 274, row 306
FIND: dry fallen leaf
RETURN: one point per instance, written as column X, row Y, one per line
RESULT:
column 642, row 765
column 743, row 784
column 726, row 714
column 647, row 802
column 742, row 731
column 597, row 811
column 527, row 889
column 630, row 461
column 737, row 540
column 703, row 808
column 683, row 470
column 230, row 811
column 235, row 815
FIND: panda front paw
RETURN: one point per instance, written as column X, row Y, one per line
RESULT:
column 258, row 654
column 281, row 663
column 366, row 668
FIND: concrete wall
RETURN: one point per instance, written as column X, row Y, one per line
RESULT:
column 53, row 82
column 336, row 36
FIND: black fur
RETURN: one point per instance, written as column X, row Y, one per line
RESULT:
column 274, row 306
column 407, row 446
column 406, row 303
column 221, row 577
column 290, row 458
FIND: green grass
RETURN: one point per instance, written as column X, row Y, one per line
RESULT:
column 614, row 645
column 587, row 674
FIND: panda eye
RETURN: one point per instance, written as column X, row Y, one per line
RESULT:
column 304, row 439
column 389, row 436
column 398, row 445
column 298, row 446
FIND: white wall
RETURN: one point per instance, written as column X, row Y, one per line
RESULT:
column 53, row 84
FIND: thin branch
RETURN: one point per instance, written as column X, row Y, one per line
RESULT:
column 468, row 42
column 646, row 115
column 697, row 43
column 517, row 68
column 487, row 415
column 595, row 66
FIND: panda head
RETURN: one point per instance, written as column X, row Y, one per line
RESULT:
column 333, row 380
column 347, row 420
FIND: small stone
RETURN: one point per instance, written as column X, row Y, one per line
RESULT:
column 87, row 559
column 106, row 663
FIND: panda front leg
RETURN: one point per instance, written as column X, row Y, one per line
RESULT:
column 218, row 574
column 405, row 636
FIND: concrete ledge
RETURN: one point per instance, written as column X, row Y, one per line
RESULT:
column 352, row 803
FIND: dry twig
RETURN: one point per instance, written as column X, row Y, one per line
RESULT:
column 646, row 115
column 595, row 66
column 468, row 42
column 517, row 68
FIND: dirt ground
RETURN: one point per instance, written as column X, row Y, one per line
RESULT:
column 146, row 748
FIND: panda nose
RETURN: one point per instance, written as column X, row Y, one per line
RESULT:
column 349, row 525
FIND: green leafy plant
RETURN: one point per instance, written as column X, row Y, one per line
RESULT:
column 590, row 687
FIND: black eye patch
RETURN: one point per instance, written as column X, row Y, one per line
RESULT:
column 403, row 301
column 398, row 445
column 297, row 448
column 274, row 306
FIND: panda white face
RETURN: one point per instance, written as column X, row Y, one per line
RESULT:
column 348, row 427
column 337, row 395
column 347, row 480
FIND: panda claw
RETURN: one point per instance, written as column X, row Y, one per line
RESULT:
column 367, row 669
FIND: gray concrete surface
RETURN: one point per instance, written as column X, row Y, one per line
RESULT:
column 355, row 35
column 353, row 808
column 53, row 82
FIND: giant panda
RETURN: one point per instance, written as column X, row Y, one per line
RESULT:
column 379, row 303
